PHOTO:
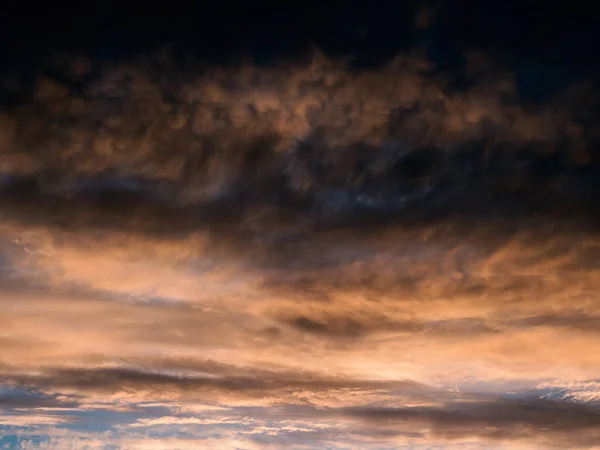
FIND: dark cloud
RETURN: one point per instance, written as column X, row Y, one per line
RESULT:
column 341, row 327
column 99, row 207
column 321, row 143
column 31, row 400
column 253, row 384
column 362, row 325
column 581, row 322
column 556, row 423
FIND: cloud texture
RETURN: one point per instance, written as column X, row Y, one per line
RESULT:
column 299, row 255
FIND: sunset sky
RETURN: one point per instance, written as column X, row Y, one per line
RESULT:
column 301, row 253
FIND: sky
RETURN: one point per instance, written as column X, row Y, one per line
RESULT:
column 303, row 250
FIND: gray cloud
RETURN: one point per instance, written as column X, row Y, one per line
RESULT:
column 316, row 142
column 553, row 423
column 246, row 381
column 24, row 400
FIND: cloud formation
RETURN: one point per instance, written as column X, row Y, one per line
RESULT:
column 303, row 255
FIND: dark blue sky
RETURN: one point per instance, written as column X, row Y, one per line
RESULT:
column 518, row 31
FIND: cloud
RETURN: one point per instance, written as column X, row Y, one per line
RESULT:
column 290, row 135
column 161, row 421
column 31, row 420
column 553, row 423
column 255, row 387
column 38, row 402
column 301, row 255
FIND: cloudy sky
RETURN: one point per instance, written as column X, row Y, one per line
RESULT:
column 299, row 254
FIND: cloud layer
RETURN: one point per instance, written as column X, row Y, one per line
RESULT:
column 302, row 255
